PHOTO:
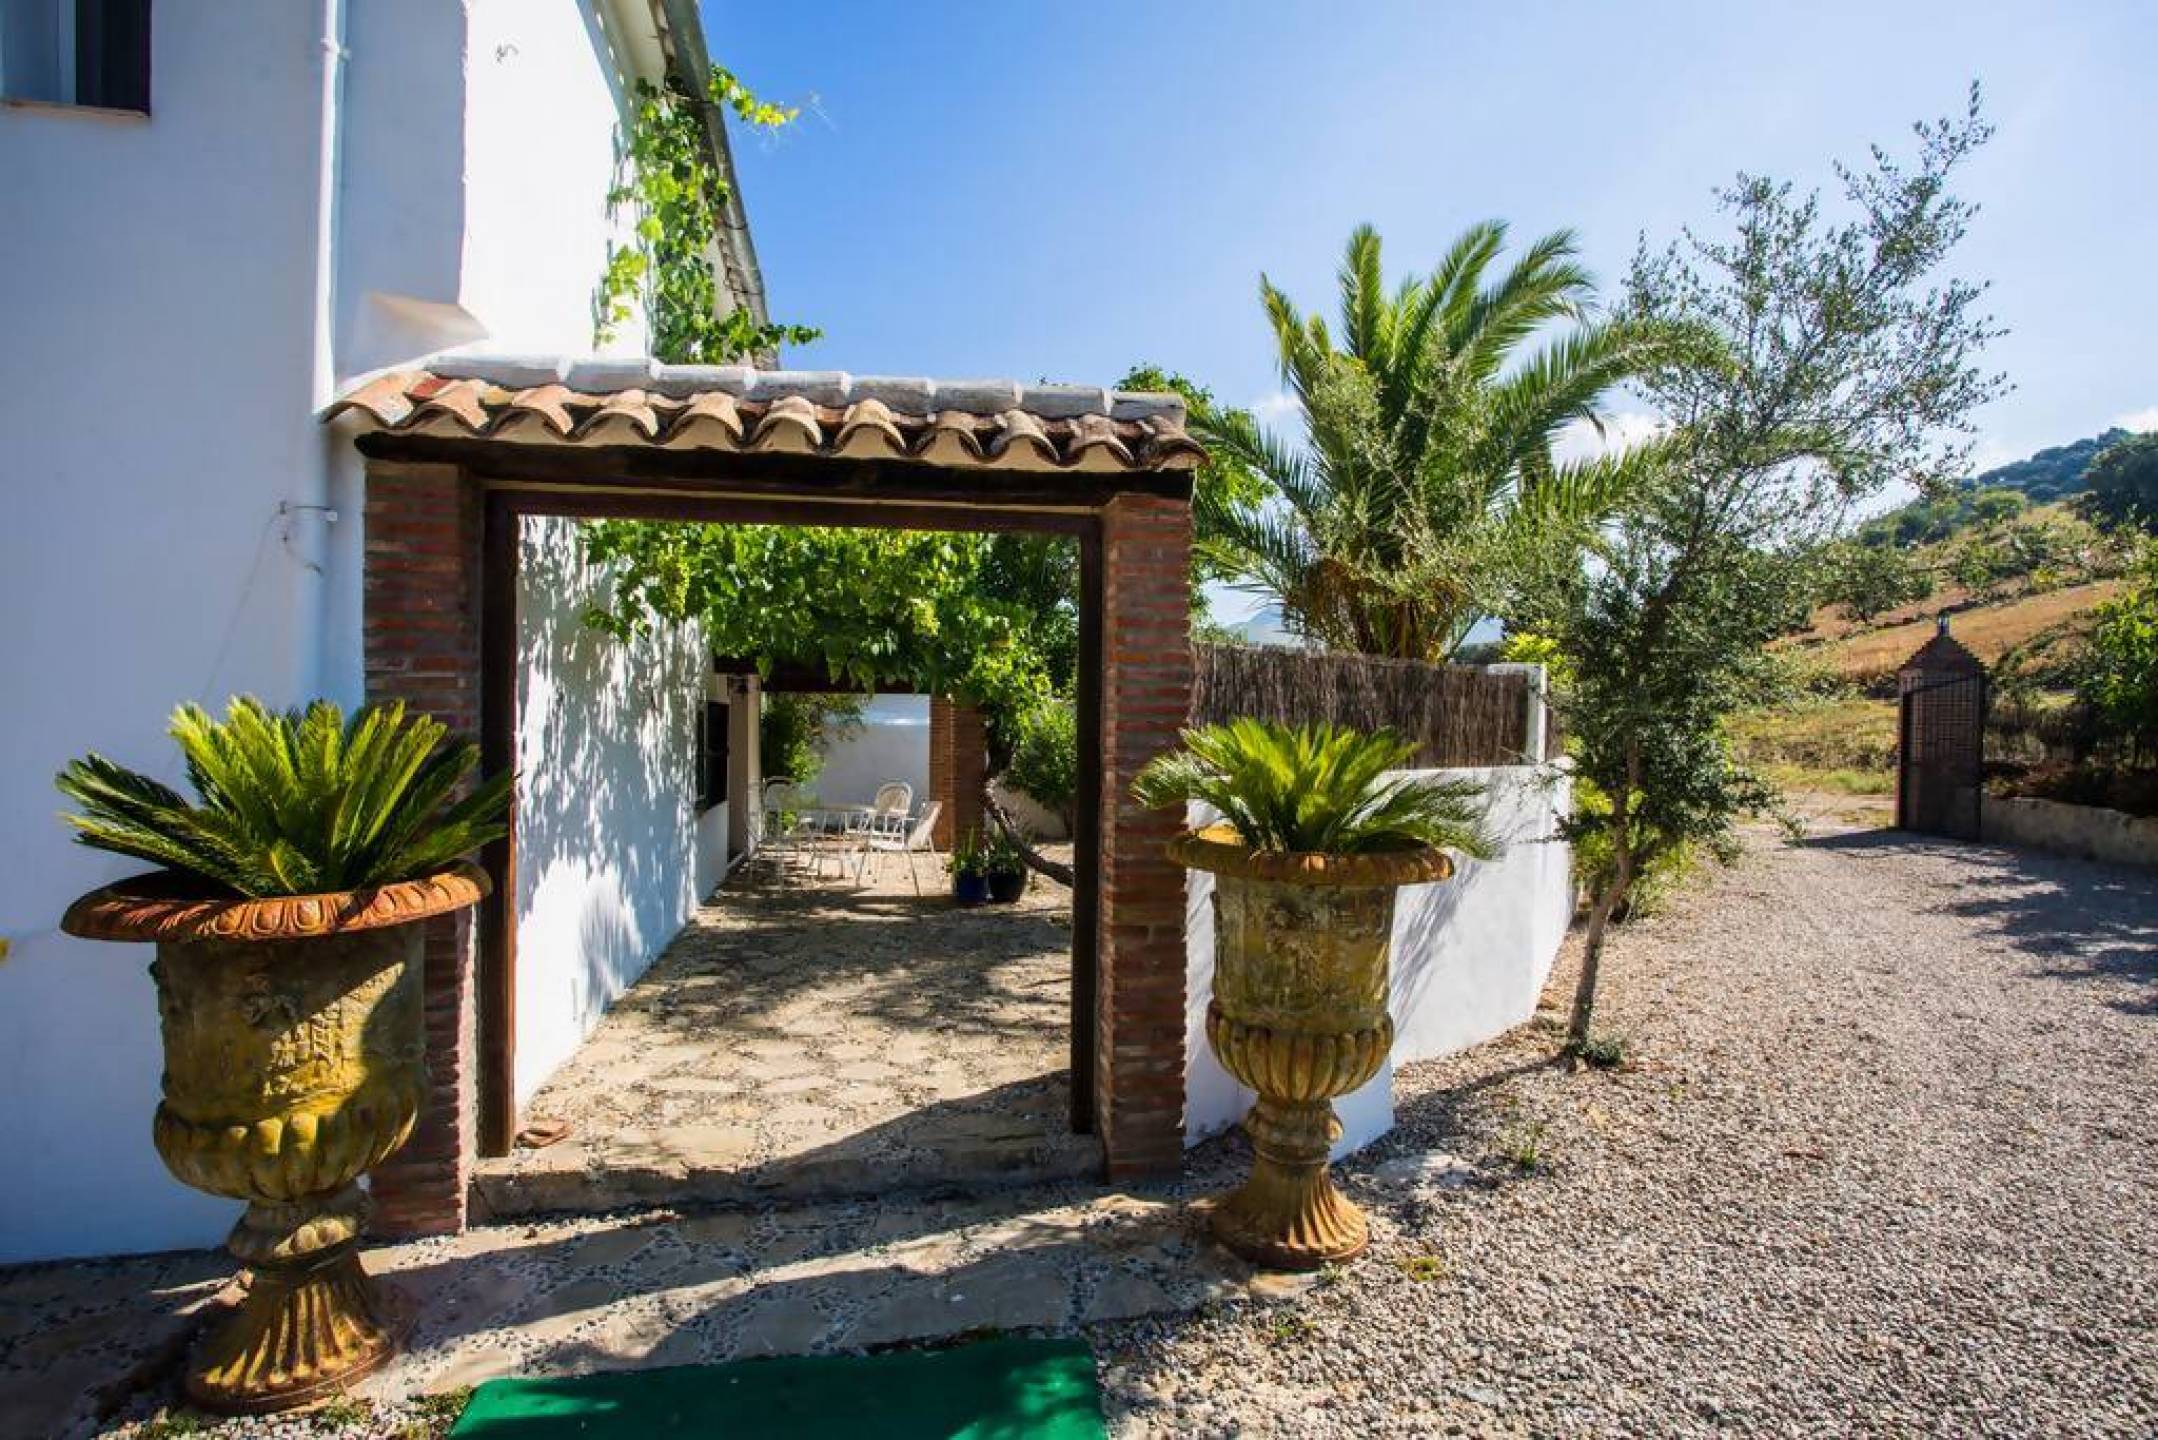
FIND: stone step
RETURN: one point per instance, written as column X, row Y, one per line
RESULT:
column 581, row 1179
column 654, row 1287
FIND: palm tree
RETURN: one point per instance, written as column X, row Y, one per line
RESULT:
column 1427, row 490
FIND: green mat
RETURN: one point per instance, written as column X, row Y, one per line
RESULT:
column 991, row 1390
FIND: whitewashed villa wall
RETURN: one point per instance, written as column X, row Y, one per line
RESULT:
column 143, row 560
column 1471, row 955
column 612, row 856
column 299, row 206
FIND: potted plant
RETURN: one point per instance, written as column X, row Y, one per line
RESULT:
column 968, row 866
column 1316, row 833
column 288, row 924
column 1004, row 868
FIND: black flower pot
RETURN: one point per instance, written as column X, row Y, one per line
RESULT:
column 1006, row 886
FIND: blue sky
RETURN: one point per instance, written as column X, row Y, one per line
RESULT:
column 1059, row 191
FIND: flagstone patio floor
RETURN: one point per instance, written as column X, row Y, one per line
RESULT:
column 815, row 1039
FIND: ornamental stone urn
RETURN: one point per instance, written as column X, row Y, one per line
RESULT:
column 1302, row 944
column 294, row 1062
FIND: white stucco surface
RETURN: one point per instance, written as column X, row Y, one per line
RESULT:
column 143, row 561
column 891, row 743
column 181, row 292
column 1470, row 956
column 610, row 850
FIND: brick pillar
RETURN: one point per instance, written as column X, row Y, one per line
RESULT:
column 958, row 767
column 422, row 637
column 1146, row 697
column 940, row 769
column 970, row 768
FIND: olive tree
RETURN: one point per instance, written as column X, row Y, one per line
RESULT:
column 1830, row 359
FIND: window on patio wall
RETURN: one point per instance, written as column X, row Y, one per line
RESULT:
column 712, row 755
column 92, row 53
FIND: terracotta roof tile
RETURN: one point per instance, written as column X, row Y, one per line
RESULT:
column 993, row 424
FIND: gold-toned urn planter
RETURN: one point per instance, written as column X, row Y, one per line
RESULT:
column 1302, row 944
column 294, row 1062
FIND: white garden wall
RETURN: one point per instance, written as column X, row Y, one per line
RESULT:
column 611, row 856
column 1470, row 956
column 892, row 743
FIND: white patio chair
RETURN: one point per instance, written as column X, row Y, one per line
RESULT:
column 901, row 835
column 785, row 826
column 885, row 816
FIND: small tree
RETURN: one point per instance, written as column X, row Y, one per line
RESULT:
column 1870, row 580
column 2120, row 682
column 2124, row 482
column 1832, row 363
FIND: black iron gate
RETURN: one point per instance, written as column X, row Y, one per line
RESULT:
column 1940, row 762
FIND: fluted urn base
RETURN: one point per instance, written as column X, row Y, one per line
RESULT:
column 1288, row 1215
column 312, row 1321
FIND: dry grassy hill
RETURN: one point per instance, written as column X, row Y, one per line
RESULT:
column 1867, row 655
column 1845, row 743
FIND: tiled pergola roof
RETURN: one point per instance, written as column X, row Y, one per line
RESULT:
column 969, row 424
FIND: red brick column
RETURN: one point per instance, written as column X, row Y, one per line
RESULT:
column 970, row 768
column 422, row 635
column 1146, row 696
column 958, row 767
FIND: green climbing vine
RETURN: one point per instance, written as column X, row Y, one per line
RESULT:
column 668, row 182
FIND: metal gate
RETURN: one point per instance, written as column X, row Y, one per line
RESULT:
column 1940, row 755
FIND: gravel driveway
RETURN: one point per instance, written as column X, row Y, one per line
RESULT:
column 1882, row 1161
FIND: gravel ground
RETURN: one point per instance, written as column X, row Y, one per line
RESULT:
column 1880, row 1161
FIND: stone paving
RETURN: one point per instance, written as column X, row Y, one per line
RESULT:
column 93, row 1345
column 816, row 1040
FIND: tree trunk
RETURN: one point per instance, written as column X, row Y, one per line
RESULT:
column 1039, row 863
column 1592, row 954
column 1612, row 895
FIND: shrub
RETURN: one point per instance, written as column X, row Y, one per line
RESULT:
column 1045, row 757
column 791, row 731
column 2124, row 482
column 295, row 803
column 1872, row 580
column 2121, row 681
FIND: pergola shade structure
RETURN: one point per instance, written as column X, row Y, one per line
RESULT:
column 460, row 449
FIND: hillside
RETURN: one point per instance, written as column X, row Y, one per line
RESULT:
column 2049, row 474
column 1867, row 655
column 2040, row 480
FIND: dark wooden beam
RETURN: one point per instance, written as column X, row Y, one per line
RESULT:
column 1086, row 836
column 631, row 467
column 707, row 508
column 497, row 978
column 807, row 677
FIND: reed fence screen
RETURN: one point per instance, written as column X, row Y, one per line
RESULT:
column 1458, row 715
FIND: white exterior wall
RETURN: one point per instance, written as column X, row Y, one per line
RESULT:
column 155, row 391
column 611, row 855
column 181, row 293
column 1471, row 954
column 892, row 743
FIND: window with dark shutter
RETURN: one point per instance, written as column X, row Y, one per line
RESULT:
column 712, row 755
column 94, row 53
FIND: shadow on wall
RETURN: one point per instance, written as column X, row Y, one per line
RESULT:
column 606, row 749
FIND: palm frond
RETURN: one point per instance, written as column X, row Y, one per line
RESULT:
column 294, row 803
column 1322, row 789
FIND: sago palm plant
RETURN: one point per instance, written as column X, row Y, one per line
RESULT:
column 295, row 803
column 1427, row 487
column 1318, row 788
